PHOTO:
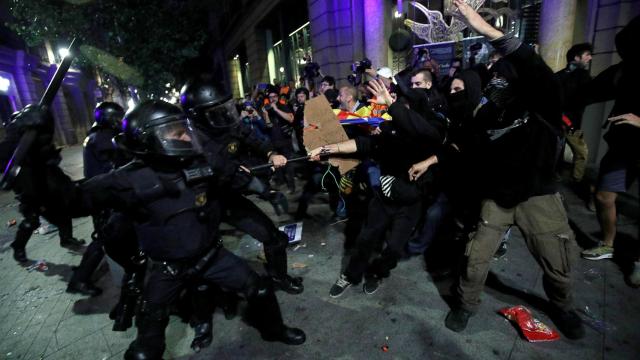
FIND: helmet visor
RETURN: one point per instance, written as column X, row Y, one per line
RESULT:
column 177, row 138
column 224, row 115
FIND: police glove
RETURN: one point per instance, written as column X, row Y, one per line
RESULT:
column 31, row 117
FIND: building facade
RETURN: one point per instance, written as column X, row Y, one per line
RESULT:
column 337, row 33
column 23, row 79
column 24, row 74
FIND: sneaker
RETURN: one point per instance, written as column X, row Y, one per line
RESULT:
column 502, row 251
column 457, row 319
column 371, row 285
column 339, row 287
column 634, row 277
column 598, row 253
column 569, row 323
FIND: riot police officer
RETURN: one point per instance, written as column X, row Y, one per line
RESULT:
column 38, row 185
column 100, row 156
column 173, row 196
column 224, row 139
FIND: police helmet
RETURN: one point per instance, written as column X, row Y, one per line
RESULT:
column 156, row 127
column 109, row 114
column 208, row 104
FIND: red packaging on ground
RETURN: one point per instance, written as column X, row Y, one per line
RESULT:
column 532, row 329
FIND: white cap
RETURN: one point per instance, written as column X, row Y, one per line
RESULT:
column 385, row 72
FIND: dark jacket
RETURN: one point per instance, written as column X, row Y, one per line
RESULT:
column 572, row 79
column 408, row 139
column 620, row 83
column 520, row 164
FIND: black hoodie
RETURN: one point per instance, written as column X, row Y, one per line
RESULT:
column 520, row 164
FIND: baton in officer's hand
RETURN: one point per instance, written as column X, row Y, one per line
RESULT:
column 268, row 165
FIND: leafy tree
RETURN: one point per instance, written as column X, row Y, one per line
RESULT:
column 135, row 42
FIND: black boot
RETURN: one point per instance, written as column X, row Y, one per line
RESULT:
column 276, row 253
column 65, row 231
column 25, row 229
column 264, row 311
column 457, row 319
column 19, row 254
column 150, row 341
column 122, row 314
column 286, row 283
column 71, row 242
column 203, row 336
column 203, row 299
column 81, row 280
column 84, row 288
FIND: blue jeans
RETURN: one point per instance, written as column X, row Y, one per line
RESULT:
column 434, row 218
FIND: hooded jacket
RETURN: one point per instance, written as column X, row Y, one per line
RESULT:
column 519, row 164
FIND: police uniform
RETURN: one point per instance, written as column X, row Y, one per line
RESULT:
column 227, row 144
column 38, row 185
column 100, row 156
column 176, row 209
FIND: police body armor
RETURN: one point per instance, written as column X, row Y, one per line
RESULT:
column 180, row 218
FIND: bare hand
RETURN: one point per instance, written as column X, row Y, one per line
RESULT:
column 631, row 119
column 375, row 131
column 315, row 154
column 476, row 22
column 278, row 161
column 464, row 8
column 377, row 88
column 418, row 169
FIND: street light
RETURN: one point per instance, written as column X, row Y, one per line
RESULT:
column 4, row 84
column 281, row 69
column 63, row 52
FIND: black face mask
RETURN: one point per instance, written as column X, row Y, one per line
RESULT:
column 460, row 107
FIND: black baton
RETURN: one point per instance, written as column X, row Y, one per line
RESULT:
column 268, row 165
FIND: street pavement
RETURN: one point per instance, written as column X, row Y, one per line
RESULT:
column 404, row 319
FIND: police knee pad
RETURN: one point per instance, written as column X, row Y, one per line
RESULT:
column 257, row 286
column 29, row 224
